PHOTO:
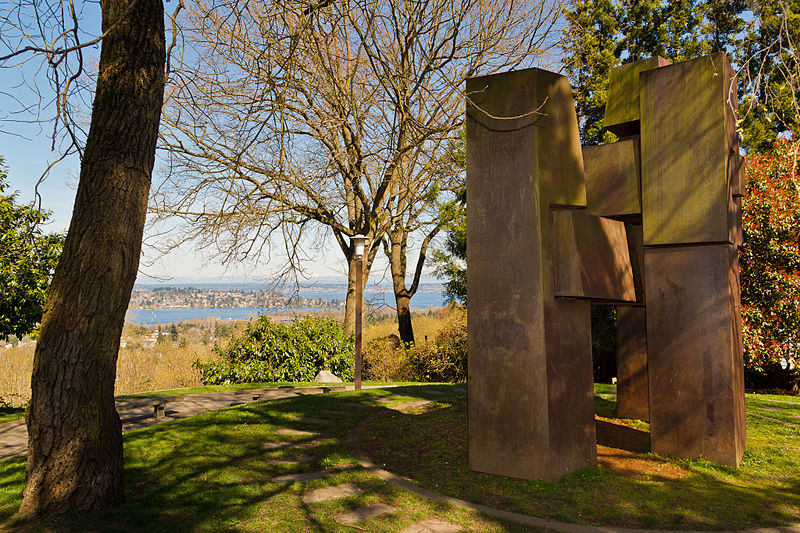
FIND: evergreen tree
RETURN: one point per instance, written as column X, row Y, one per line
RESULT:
column 642, row 30
column 683, row 31
column 770, row 80
column 589, row 46
column 722, row 26
column 450, row 261
column 601, row 35
column 28, row 258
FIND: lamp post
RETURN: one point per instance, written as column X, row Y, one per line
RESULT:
column 358, row 242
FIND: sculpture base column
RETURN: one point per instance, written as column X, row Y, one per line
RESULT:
column 531, row 406
column 694, row 355
column 633, row 394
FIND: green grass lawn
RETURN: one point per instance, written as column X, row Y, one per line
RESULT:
column 245, row 386
column 8, row 414
column 667, row 494
column 210, row 473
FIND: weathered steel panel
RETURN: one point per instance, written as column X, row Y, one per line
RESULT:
column 517, row 169
column 737, row 174
column 622, row 106
column 685, row 145
column 612, row 178
column 693, row 347
column 570, row 387
column 633, row 395
column 636, row 253
column 591, row 258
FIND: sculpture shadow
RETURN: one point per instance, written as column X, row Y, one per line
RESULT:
column 635, row 489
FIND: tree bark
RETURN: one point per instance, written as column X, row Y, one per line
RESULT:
column 350, row 299
column 75, row 439
column 396, row 250
column 404, row 326
column 402, row 295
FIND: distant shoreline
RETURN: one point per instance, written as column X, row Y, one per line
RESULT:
column 306, row 307
column 152, row 317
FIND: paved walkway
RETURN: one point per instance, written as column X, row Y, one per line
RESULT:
column 138, row 413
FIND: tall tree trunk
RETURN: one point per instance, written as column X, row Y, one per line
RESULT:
column 350, row 299
column 404, row 317
column 75, row 438
column 402, row 296
column 395, row 248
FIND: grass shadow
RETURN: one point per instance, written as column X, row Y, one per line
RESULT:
column 210, row 472
column 205, row 472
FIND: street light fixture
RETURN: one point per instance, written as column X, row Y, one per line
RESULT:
column 358, row 242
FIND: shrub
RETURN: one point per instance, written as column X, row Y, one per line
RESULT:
column 445, row 358
column 281, row 352
column 442, row 359
column 770, row 269
column 384, row 359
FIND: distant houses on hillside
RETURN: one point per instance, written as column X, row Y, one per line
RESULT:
column 189, row 297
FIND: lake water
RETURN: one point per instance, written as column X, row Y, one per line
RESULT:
column 149, row 317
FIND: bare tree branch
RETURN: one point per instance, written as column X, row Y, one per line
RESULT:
column 294, row 117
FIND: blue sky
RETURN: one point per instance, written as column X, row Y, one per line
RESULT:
column 27, row 152
column 26, row 148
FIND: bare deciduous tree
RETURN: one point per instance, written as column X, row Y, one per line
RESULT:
column 334, row 117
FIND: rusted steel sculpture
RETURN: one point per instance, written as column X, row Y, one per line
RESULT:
column 650, row 223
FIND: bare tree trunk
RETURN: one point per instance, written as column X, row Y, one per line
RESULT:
column 396, row 250
column 404, row 318
column 75, row 440
column 402, row 296
column 350, row 300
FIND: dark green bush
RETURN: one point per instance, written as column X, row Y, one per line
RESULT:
column 281, row 352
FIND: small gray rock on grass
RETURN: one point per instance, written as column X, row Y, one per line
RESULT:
column 326, row 376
